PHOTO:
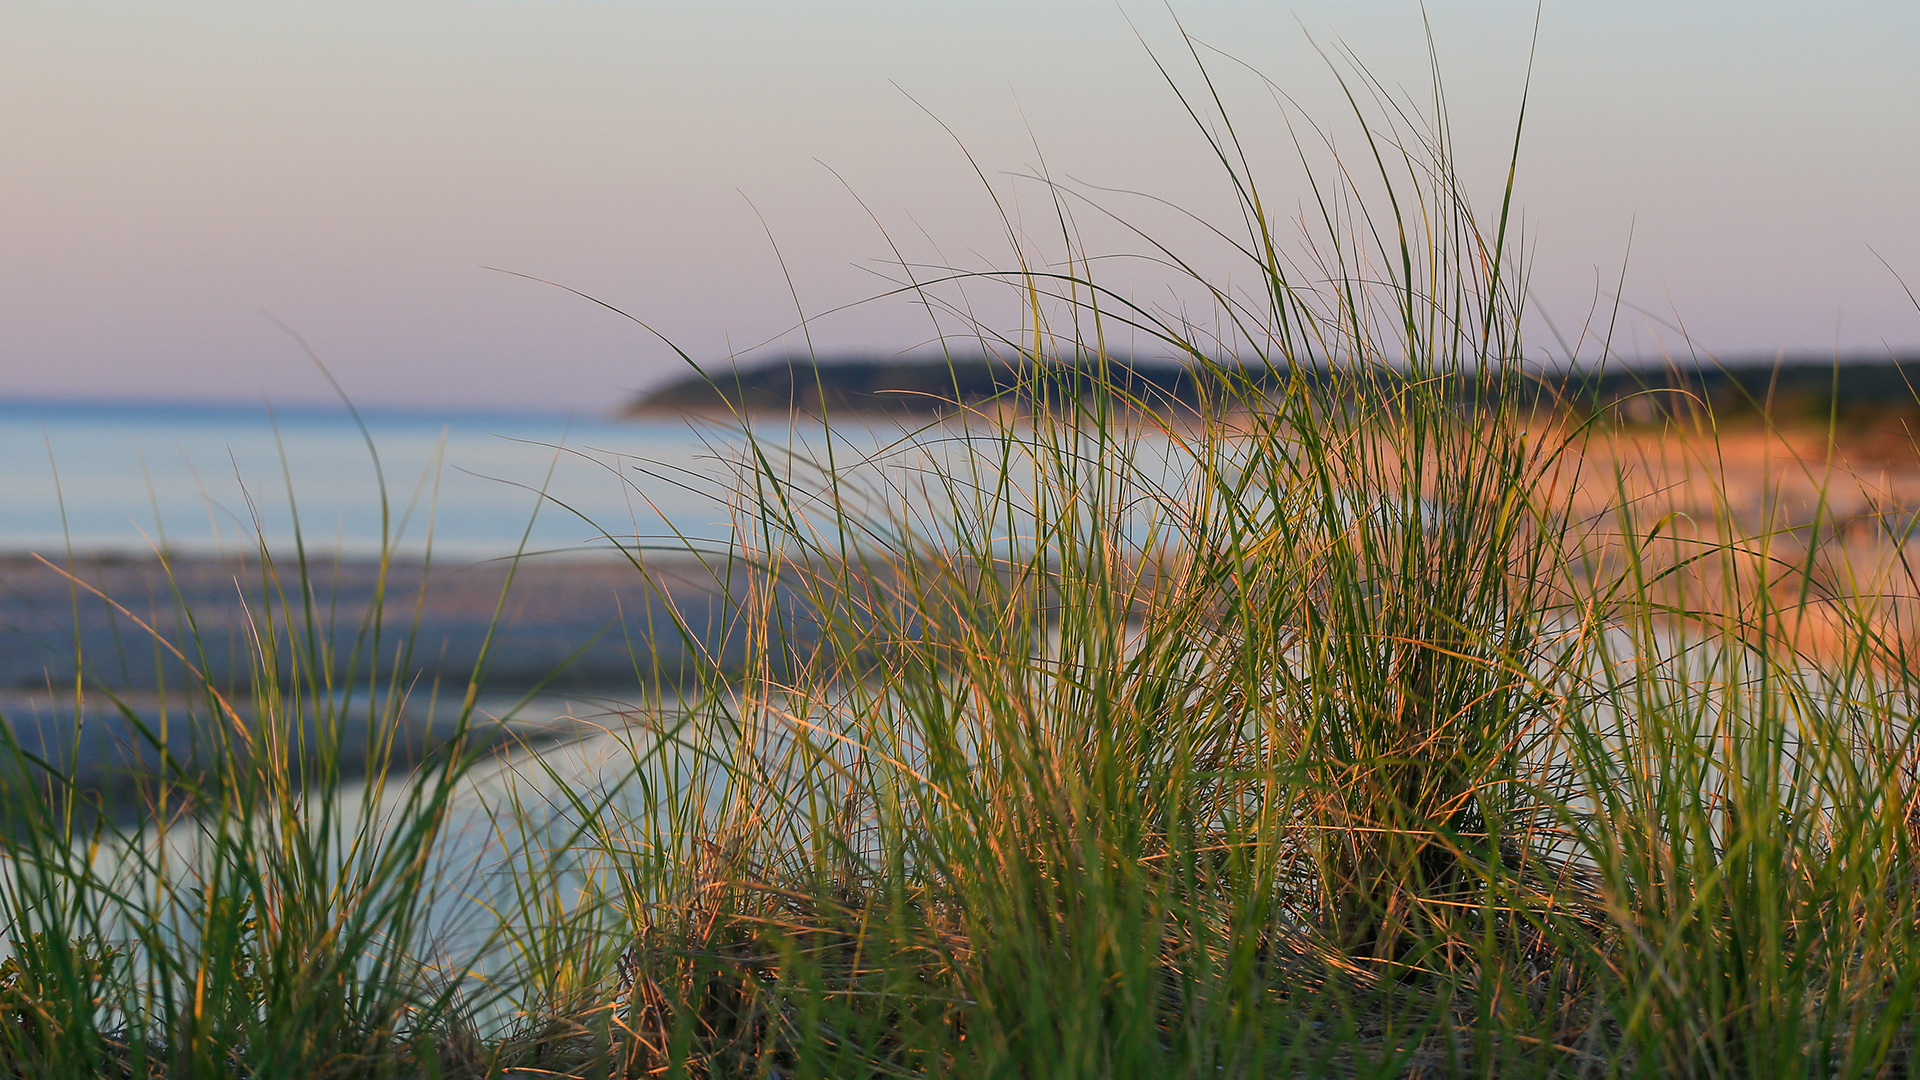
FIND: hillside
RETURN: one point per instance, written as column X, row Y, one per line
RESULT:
column 1857, row 391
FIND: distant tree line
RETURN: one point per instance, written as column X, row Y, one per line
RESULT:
column 1797, row 390
column 914, row 386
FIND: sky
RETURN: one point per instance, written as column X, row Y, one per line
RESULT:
column 191, row 191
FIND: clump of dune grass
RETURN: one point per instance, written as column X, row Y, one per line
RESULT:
column 245, row 892
column 1361, row 727
column 1333, row 730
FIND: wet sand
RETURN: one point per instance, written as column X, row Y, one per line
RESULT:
column 144, row 624
column 111, row 742
column 100, row 658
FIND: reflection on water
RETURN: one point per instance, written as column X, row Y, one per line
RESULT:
column 543, row 758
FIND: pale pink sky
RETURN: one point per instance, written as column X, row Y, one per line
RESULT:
column 173, row 174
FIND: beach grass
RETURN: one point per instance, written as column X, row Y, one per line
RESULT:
column 1373, row 725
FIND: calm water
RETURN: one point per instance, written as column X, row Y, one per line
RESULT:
column 198, row 479
column 128, row 478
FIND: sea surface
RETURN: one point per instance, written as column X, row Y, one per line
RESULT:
column 132, row 479
column 136, row 479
